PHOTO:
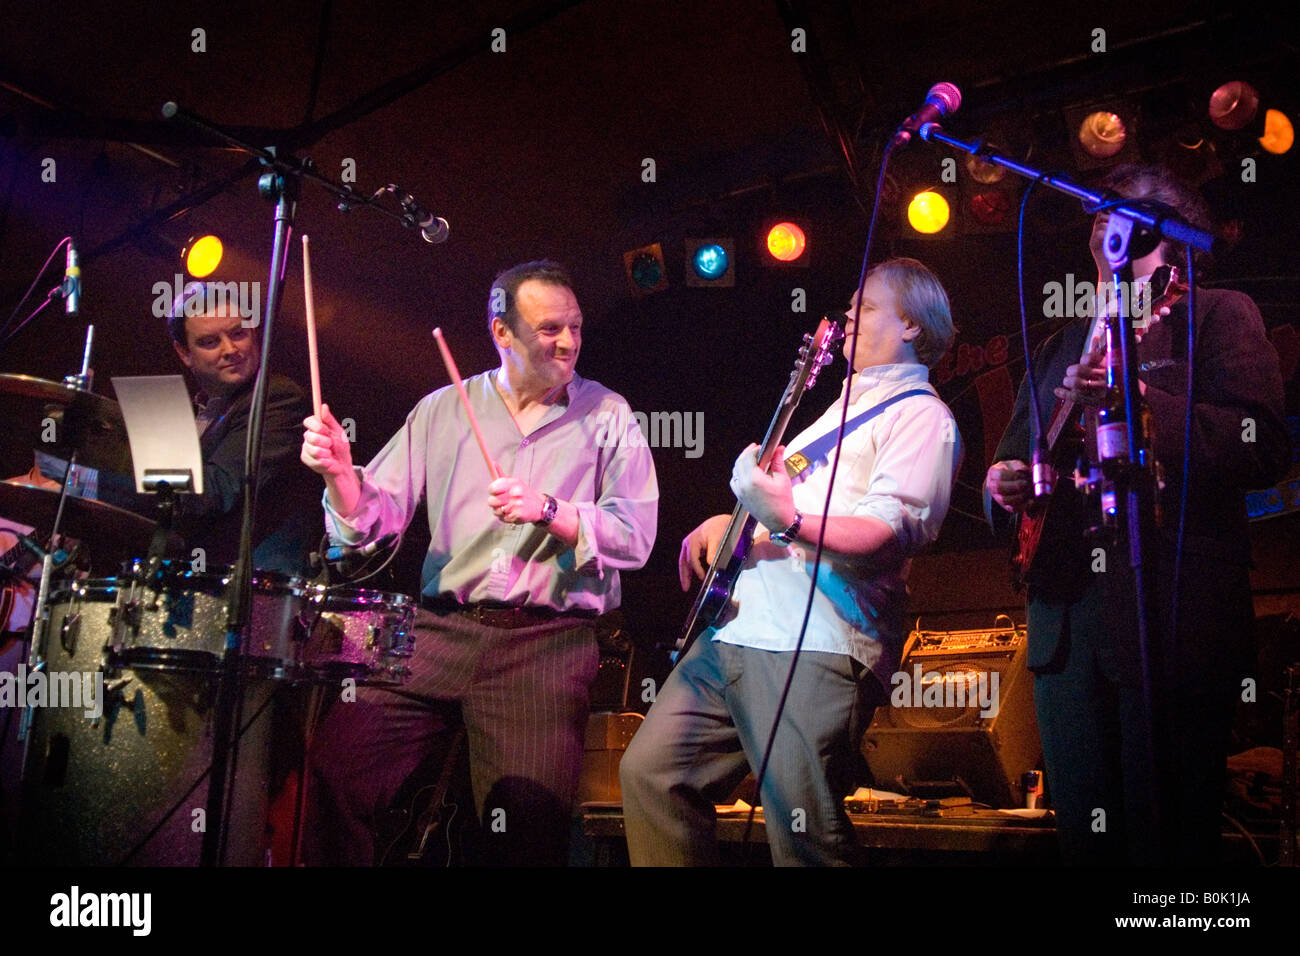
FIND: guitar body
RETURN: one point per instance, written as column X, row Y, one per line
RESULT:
column 13, row 580
column 434, row 825
column 715, row 593
column 1044, row 520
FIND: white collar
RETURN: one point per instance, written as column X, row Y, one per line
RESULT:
column 876, row 376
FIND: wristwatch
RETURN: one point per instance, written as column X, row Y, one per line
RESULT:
column 786, row 538
column 548, row 511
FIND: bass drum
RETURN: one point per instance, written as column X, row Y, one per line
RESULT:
column 120, row 776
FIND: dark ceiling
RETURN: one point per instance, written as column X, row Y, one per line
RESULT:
column 539, row 151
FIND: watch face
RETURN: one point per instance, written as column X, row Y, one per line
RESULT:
column 786, row 538
column 549, row 510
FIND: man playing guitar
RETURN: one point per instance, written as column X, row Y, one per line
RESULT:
column 710, row 723
column 1082, row 648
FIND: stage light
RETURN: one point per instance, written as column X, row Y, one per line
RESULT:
column 1234, row 105
column 786, row 242
column 1279, row 134
column 992, row 208
column 202, row 255
column 983, row 172
column 644, row 269
column 1102, row 134
column 928, row 212
column 710, row 262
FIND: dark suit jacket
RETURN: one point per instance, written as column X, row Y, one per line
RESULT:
column 1238, row 382
column 289, row 518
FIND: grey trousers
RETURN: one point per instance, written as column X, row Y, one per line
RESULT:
column 709, row 726
column 523, row 697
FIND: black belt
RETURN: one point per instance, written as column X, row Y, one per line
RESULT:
column 505, row 616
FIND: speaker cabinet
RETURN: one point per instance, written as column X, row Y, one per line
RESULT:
column 960, row 718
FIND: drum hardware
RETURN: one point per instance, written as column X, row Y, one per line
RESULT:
column 68, row 632
column 172, row 620
column 106, row 534
column 355, row 634
column 115, row 699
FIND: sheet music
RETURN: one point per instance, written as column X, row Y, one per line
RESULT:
column 160, row 426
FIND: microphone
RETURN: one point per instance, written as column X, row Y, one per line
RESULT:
column 72, row 280
column 339, row 552
column 61, row 558
column 434, row 229
column 942, row 100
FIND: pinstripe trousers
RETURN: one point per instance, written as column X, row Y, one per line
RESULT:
column 523, row 696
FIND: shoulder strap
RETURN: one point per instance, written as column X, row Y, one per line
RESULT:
column 805, row 460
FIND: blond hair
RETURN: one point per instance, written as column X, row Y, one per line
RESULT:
column 922, row 300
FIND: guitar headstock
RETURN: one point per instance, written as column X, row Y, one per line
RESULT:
column 1162, row 292
column 816, row 352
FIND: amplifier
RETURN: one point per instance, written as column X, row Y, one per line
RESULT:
column 960, row 717
column 608, row 735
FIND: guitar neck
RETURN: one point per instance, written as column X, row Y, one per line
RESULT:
column 776, row 429
column 1066, row 408
column 732, row 549
column 1171, row 289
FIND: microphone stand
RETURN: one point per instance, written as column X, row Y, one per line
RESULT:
column 280, row 185
column 1136, row 483
column 75, row 429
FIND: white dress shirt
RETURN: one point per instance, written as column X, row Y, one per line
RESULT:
column 899, row 468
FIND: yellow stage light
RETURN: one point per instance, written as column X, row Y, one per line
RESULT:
column 928, row 212
column 202, row 255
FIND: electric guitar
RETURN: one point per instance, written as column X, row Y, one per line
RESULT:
column 714, row 595
column 1068, row 430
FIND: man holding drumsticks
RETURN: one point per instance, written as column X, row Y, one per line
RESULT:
column 518, row 568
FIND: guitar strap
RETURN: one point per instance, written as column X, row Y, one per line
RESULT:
column 807, row 459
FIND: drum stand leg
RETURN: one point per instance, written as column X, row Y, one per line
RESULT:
column 315, row 699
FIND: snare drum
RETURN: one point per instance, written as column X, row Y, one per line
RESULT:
column 175, row 619
column 364, row 635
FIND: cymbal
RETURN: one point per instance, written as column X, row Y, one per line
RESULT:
column 92, row 424
column 109, row 533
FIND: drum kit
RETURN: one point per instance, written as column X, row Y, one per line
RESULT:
column 122, row 776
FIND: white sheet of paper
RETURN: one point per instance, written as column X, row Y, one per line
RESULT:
column 160, row 426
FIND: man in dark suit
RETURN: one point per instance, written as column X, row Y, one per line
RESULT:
column 222, row 354
column 1082, row 642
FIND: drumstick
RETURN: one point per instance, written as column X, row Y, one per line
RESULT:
column 454, row 374
column 311, row 329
